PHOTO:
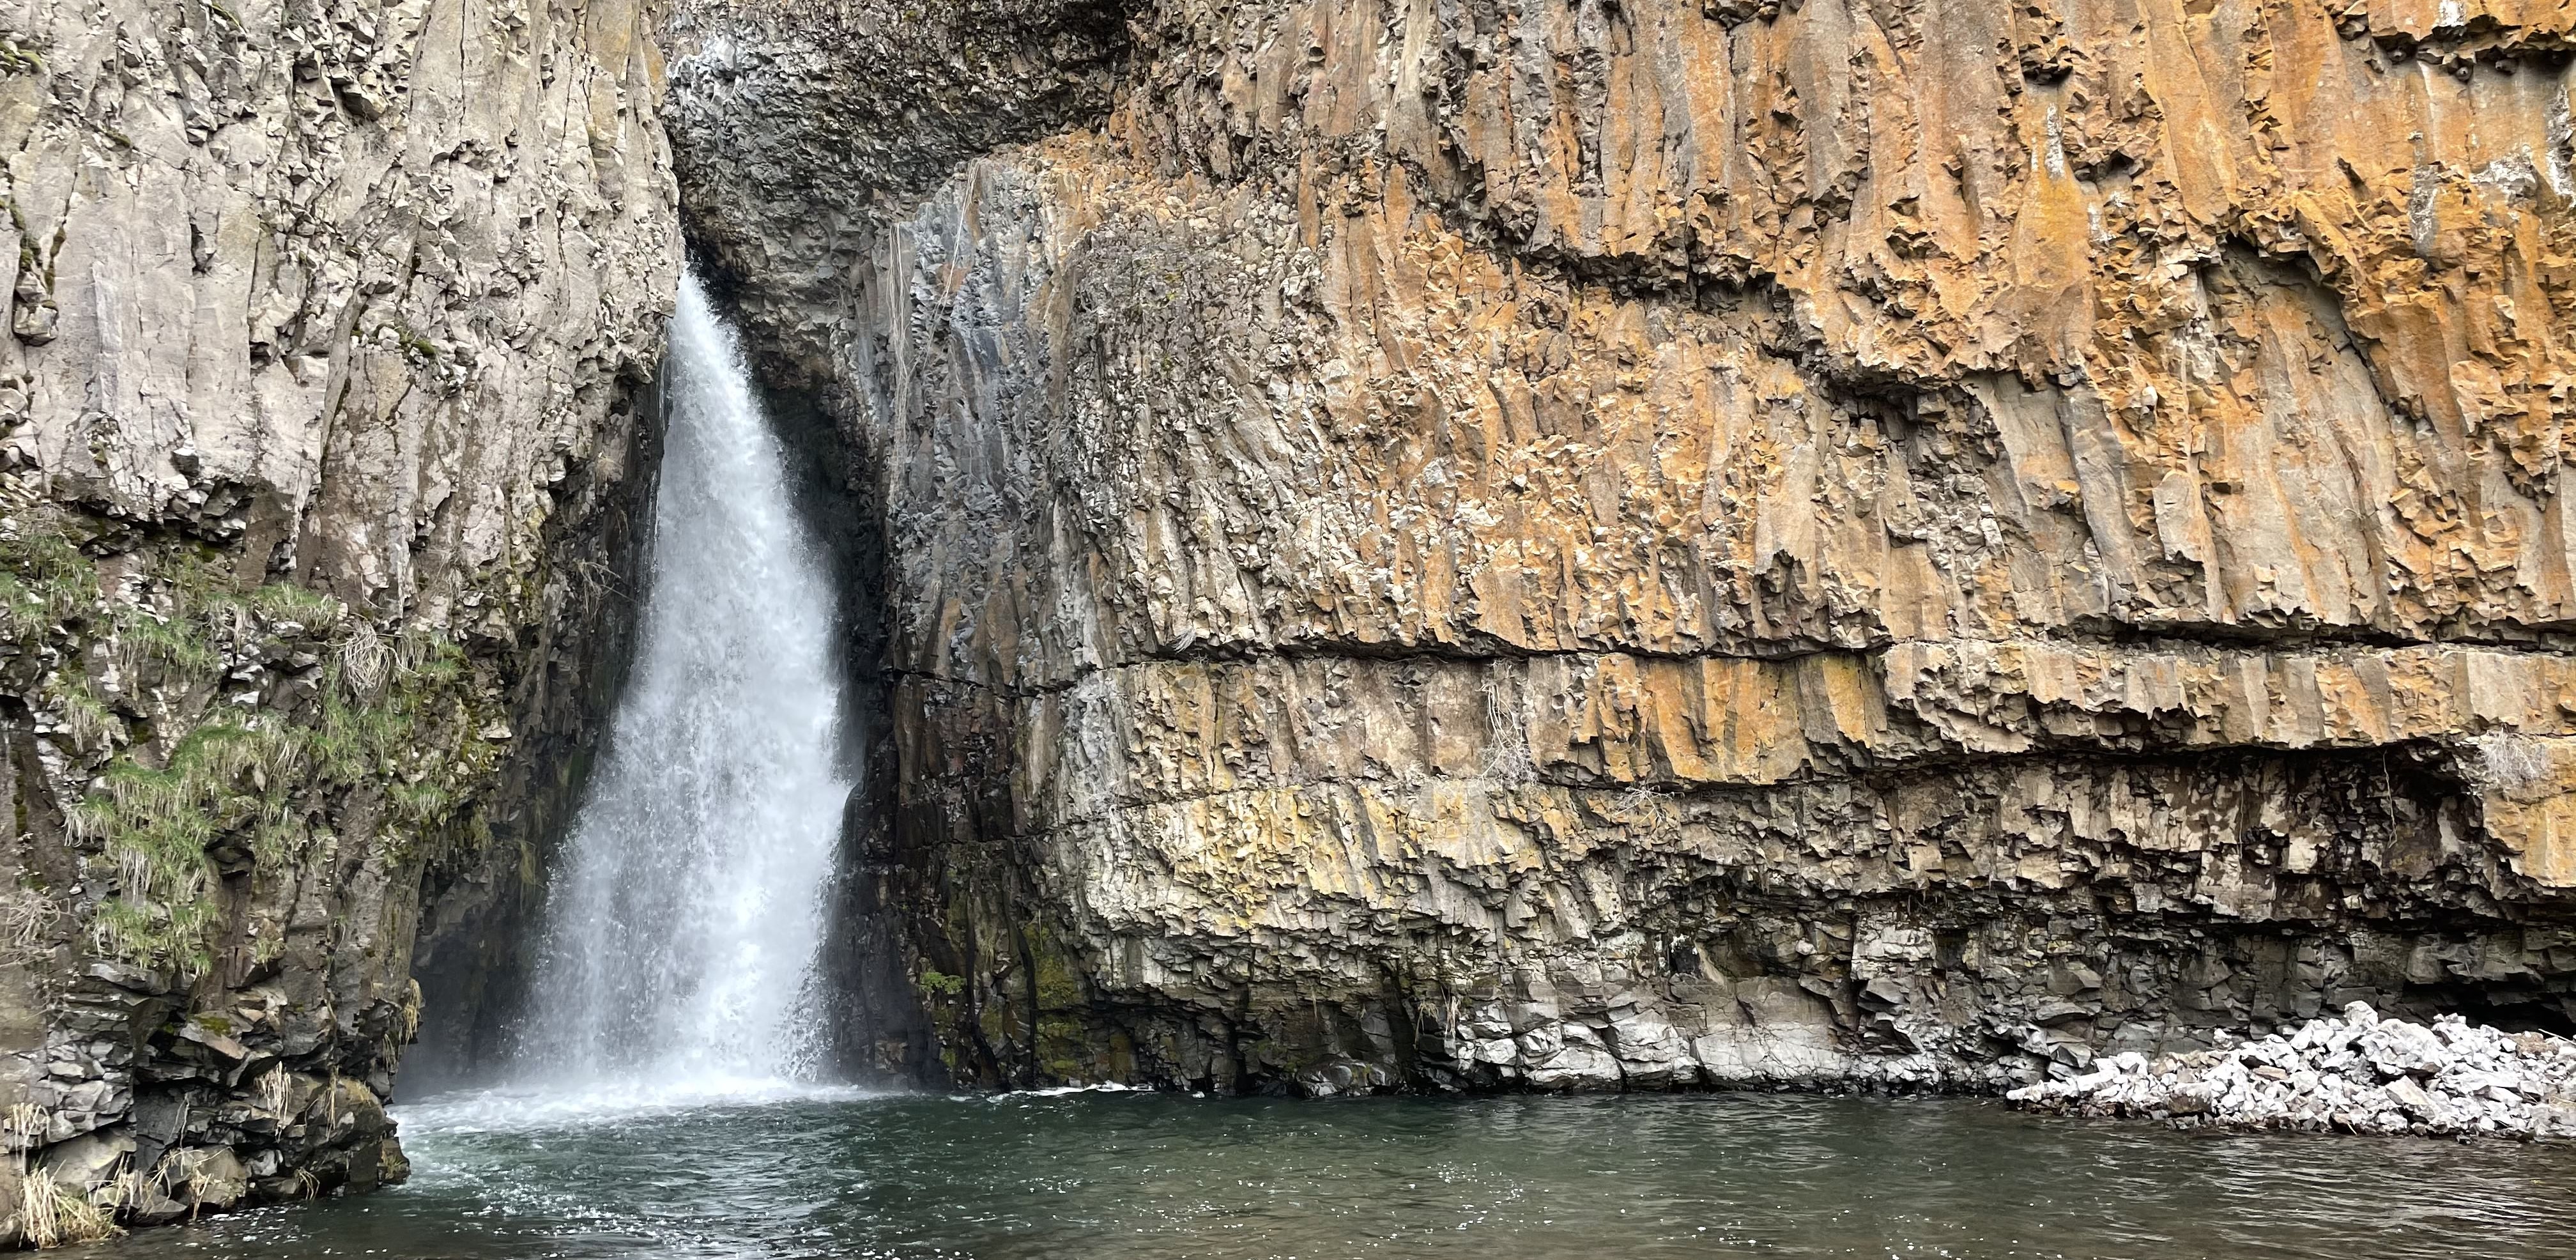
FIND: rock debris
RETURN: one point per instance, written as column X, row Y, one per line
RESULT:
column 2358, row 1074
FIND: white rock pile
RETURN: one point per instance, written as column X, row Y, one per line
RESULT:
column 2360, row 1074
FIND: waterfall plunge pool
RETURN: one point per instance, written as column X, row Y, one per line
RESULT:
column 680, row 949
column 823, row 1173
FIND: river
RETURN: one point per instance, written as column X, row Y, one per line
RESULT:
column 1161, row 1177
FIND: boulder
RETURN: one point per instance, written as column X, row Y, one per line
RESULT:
column 89, row 1160
column 208, row 1177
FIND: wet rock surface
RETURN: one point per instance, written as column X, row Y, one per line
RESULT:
column 2359, row 1074
column 1651, row 545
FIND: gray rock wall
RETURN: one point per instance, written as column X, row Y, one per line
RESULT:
column 327, row 330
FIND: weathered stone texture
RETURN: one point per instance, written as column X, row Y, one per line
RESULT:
column 351, row 299
column 1662, row 543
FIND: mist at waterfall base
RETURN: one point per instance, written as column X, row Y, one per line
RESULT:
column 664, row 1102
column 687, row 906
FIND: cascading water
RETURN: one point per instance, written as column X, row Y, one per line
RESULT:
column 684, row 918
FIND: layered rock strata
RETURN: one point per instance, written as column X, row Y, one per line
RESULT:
column 328, row 327
column 1638, row 544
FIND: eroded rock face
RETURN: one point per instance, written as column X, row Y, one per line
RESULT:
column 328, row 329
column 1643, row 544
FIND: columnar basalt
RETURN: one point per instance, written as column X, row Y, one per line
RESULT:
column 327, row 332
column 1638, row 544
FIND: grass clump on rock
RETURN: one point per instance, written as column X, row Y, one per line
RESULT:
column 224, row 731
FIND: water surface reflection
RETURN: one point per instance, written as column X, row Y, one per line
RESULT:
column 1134, row 1175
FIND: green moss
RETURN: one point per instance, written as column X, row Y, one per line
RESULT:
column 1059, row 983
column 412, row 340
column 1287, row 1057
column 428, row 658
column 1063, row 1041
column 280, row 837
column 422, row 804
column 153, row 932
column 942, row 983
column 218, row 780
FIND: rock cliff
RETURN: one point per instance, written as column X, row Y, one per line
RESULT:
column 1426, row 544
column 1479, row 543
column 329, row 330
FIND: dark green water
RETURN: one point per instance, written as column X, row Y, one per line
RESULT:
column 1132, row 1175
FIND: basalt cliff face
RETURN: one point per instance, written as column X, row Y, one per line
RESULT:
column 329, row 336
column 1419, row 545
column 1597, row 544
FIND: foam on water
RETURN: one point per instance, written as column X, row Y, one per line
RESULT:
column 684, row 920
column 539, row 1109
column 1056, row 1091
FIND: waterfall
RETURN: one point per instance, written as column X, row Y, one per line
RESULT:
column 688, row 903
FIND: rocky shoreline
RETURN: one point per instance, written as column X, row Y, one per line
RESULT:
column 2358, row 1074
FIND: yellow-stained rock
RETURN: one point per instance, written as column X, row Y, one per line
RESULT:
column 1595, row 544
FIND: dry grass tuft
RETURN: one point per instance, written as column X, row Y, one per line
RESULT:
column 53, row 1216
column 49, row 1213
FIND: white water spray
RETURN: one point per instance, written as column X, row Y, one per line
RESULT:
column 688, row 905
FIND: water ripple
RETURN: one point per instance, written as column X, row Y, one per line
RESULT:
column 1037, row 1176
